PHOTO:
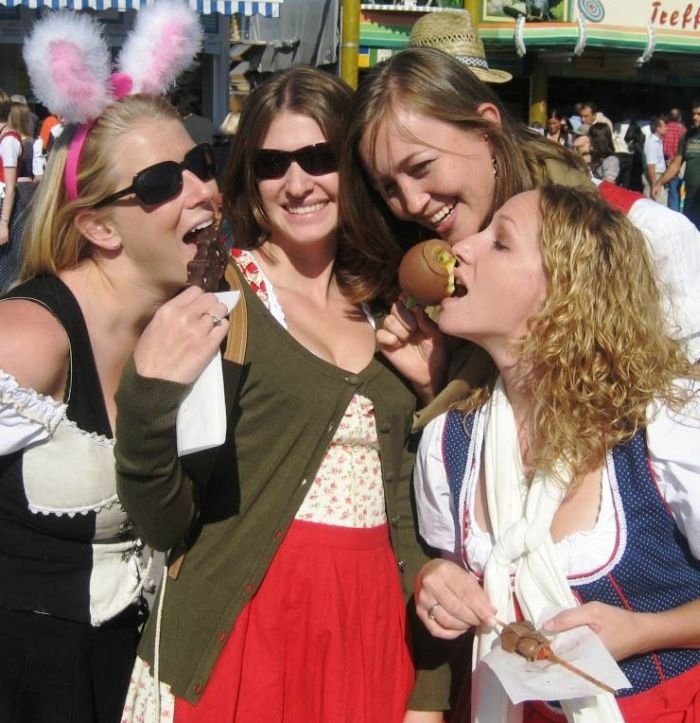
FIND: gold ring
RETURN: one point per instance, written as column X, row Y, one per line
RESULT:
column 431, row 610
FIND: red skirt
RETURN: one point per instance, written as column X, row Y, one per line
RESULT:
column 322, row 641
column 675, row 701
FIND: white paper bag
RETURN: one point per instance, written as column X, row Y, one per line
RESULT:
column 201, row 419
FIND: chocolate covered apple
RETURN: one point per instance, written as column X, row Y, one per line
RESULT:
column 209, row 263
column 426, row 272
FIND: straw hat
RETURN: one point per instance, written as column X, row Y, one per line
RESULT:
column 453, row 32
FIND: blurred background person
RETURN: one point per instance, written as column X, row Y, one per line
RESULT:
column 10, row 158
column 557, row 129
column 33, row 120
column 605, row 165
column 675, row 130
column 590, row 115
column 655, row 161
column 10, row 254
column 200, row 128
column 688, row 154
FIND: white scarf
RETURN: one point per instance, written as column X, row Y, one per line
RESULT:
column 521, row 517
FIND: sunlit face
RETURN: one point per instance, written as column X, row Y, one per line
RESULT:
column 582, row 144
column 502, row 272
column 553, row 125
column 151, row 237
column 432, row 173
column 301, row 208
column 587, row 116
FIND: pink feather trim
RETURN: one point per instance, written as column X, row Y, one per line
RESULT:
column 165, row 55
column 73, row 79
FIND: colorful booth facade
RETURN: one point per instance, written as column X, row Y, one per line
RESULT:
column 647, row 47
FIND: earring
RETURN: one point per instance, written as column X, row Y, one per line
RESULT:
column 494, row 163
column 116, row 244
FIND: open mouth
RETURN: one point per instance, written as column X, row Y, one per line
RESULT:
column 441, row 215
column 459, row 289
column 198, row 233
column 304, row 210
column 209, row 263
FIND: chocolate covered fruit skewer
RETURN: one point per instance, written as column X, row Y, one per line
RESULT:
column 209, row 263
column 523, row 639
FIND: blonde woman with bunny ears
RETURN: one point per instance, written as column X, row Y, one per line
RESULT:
column 72, row 570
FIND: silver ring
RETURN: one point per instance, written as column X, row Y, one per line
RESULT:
column 215, row 319
column 431, row 610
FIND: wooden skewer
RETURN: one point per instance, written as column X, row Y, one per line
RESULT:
column 566, row 664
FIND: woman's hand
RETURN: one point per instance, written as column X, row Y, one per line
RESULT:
column 449, row 600
column 625, row 633
column 415, row 347
column 182, row 337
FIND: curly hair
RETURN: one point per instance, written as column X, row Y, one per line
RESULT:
column 437, row 86
column 599, row 351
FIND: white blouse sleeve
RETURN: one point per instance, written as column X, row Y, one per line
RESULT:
column 675, row 246
column 433, row 500
column 26, row 417
column 673, row 439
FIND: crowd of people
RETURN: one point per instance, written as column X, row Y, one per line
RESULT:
column 388, row 490
column 657, row 156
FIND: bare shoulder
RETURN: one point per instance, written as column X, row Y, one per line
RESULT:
column 34, row 347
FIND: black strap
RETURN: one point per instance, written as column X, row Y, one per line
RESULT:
column 86, row 405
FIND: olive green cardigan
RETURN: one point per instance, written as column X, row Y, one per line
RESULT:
column 233, row 505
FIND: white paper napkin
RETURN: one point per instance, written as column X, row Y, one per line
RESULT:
column 201, row 418
column 544, row 680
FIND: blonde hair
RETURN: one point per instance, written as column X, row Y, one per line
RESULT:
column 52, row 241
column 229, row 125
column 18, row 118
column 599, row 351
column 5, row 104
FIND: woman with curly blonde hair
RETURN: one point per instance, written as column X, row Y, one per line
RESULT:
column 571, row 480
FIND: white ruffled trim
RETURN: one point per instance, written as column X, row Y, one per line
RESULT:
column 98, row 439
column 73, row 511
column 30, row 404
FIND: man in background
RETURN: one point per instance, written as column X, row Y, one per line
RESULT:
column 656, row 163
column 688, row 152
column 590, row 115
column 201, row 129
column 675, row 130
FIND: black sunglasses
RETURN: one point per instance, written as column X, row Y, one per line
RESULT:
column 317, row 159
column 163, row 181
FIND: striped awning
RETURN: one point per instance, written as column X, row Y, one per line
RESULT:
column 269, row 9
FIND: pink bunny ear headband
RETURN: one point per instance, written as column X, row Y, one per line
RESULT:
column 69, row 65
